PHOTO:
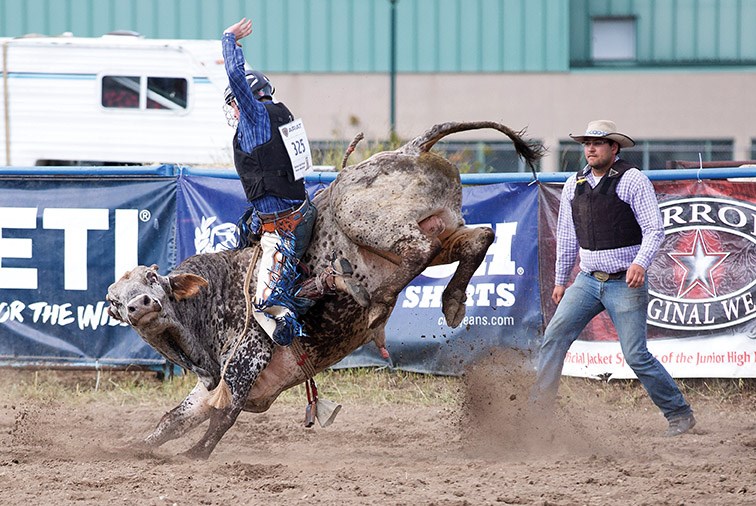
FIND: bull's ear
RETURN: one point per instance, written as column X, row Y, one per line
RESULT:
column 152, row 276
column 185, row 286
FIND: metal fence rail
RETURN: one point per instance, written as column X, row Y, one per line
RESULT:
column 326, row 176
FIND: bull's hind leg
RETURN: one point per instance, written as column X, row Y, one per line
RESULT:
column 468, row 245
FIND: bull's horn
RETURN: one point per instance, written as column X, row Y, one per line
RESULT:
column 327, row 411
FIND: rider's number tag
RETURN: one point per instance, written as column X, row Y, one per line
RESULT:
column 295, row 139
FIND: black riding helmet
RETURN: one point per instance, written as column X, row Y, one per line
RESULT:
column 259, row 84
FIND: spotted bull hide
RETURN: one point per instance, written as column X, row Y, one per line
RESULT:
column 391, row 216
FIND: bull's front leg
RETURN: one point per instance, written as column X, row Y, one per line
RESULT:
column 192, row 411
column 468, row 245
column 245, row 367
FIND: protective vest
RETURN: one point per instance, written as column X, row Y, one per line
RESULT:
column 603, row 220
column 267, row 169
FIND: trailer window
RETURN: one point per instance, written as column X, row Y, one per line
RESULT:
column 140, row 92
column 120, row 92
column 166, row 93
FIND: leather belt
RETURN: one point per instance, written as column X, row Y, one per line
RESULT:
column 285, row 221
column 268, row 217
column 606, row 276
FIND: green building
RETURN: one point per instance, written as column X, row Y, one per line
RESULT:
column 676, row 75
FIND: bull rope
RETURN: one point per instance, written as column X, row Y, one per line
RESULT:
column 303, row 359
column 220, row 396
column 311, row 388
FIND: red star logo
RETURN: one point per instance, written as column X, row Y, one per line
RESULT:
column 697, row 266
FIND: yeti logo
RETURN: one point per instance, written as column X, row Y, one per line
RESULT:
column 702, row 277
column 75, row 224
column 208, row 239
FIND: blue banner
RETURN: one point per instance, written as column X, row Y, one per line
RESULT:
column 208, row 209
column 65, row 237
column 63, row 241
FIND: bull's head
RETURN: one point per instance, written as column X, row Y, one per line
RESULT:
column 139, row 297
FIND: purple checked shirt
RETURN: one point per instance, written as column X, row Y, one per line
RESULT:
column 635, row 189
column 254, row 122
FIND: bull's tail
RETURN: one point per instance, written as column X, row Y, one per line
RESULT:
column 530, row 151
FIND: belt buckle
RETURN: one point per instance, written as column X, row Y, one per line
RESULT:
column 601, row 276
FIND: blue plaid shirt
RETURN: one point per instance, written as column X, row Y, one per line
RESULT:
column 635, row 189
column 254, row 122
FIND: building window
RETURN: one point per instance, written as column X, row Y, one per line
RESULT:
column 331, row 153
column 649, row 155
column 141, row 92
column 613, row 39
column 483, row 156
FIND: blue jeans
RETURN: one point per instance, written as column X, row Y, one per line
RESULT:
column 627, row 308
column 303, row 231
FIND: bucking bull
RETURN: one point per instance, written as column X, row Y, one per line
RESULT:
column 391, row 216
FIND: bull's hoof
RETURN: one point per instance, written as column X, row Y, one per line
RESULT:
column 454, row 308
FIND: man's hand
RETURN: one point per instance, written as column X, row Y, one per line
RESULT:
column 635, row 276
column 557, row 294
column 240, row 29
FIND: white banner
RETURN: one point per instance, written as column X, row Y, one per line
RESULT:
column 691, row 357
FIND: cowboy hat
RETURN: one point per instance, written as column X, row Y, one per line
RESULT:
column 604, row 129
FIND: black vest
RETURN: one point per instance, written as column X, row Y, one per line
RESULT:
column 267, row 170
column 602, row 220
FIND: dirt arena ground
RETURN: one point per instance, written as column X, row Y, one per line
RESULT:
column 473, row 445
